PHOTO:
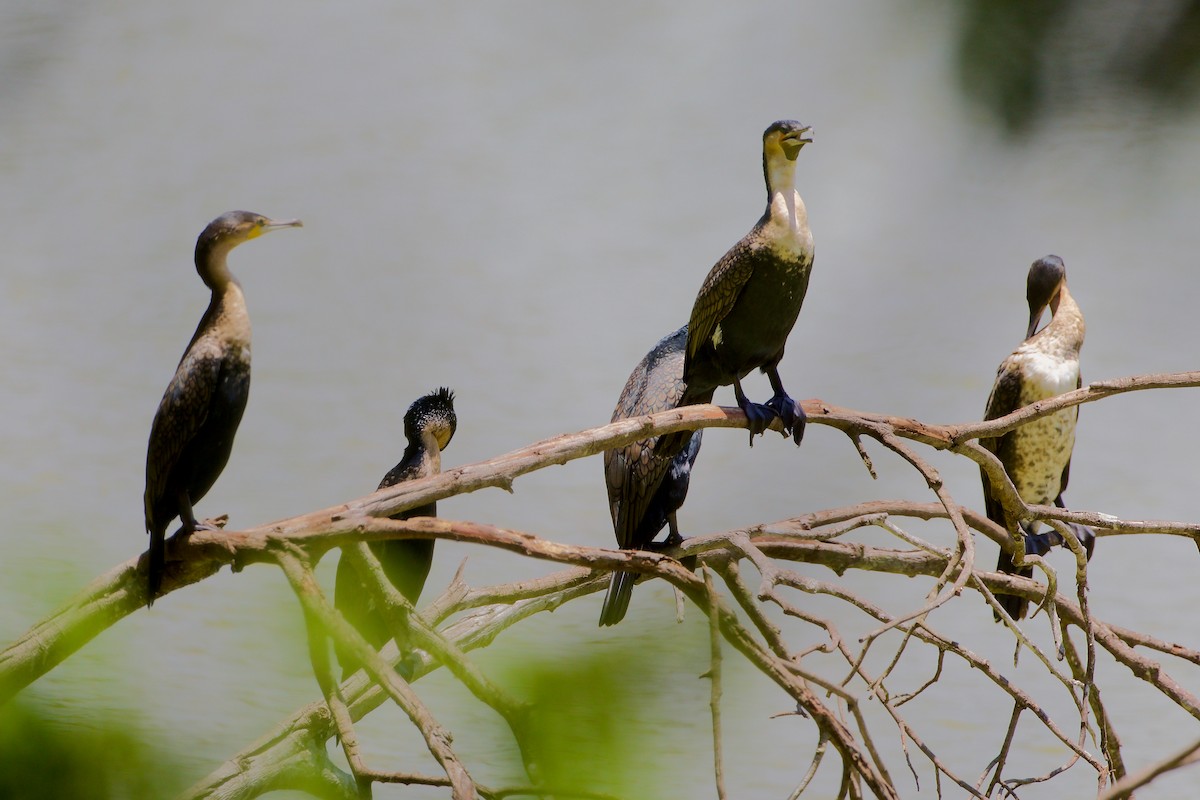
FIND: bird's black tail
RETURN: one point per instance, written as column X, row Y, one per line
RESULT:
column 156, row 564
column 1036, row 544
column 616, row 602
column 669, row 444
column 1016, row 606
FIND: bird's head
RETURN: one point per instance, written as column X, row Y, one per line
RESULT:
column 1047, row 276
column 228, row 231
column 432, row 415
column 782, row 142
column 234, row 227
column 785, row 138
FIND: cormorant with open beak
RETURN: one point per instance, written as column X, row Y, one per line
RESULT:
column 749, row 302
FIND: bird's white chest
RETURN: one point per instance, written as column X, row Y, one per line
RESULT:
column 787, row 230
column 1045, row 376
column 1044, row 445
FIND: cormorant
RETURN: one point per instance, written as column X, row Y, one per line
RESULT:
column 1037, row 455
column 429, row 425
column 750, row 300
column 646, row 488
column 193, row 430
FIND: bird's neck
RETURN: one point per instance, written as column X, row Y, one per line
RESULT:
column 212, row 266
column 431, row 461
column 227, row 317
column 785, row 209
column 227, row 313
column 1065, row 331
column 424, row 454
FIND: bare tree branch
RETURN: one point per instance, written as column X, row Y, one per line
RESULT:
column 463, row 618
column 714, row 676
column 437, row 739
column 1125, row 787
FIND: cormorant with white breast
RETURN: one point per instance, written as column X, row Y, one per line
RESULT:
column 645, row 487
column 429, row 425
column 750, row 300
column 193, row 430
column 1037, row 455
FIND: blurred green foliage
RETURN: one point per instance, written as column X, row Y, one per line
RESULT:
column 1026, row 61
column 43, row 758
column 592, row 717
column 1002, row 53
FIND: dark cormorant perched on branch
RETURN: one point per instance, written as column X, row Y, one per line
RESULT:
column 1037, row 455
column 646, row 488
column 193, row 430
column 750, row 300
column 429, row 424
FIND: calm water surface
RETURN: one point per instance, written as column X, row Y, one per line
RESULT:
column 517, row 201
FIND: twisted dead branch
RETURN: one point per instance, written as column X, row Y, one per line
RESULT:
column 462, row 618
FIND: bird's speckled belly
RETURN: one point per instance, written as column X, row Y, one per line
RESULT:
column 1043, row 447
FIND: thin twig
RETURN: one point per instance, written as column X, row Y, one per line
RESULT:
column 821, row 538
column 436, row 738
column 818, row 756
column 714, row 676
column 1125, row 787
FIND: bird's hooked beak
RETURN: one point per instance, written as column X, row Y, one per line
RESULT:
column 275, row 224
column 1035, row 315
column 792, row 141
column 267, row 225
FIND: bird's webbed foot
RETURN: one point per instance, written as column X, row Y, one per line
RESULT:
column 675, row 540
column 1038, row 544
column 190, row 526
column 1084, row 533
column 188, row 518
column 1086, row 536
column 759, row 417
column 791, row 414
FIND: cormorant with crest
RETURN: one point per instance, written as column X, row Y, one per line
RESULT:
column 429, row 425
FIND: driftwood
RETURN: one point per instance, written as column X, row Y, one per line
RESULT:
column 462, row 618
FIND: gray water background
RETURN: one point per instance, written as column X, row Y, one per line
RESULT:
column 517, row 200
